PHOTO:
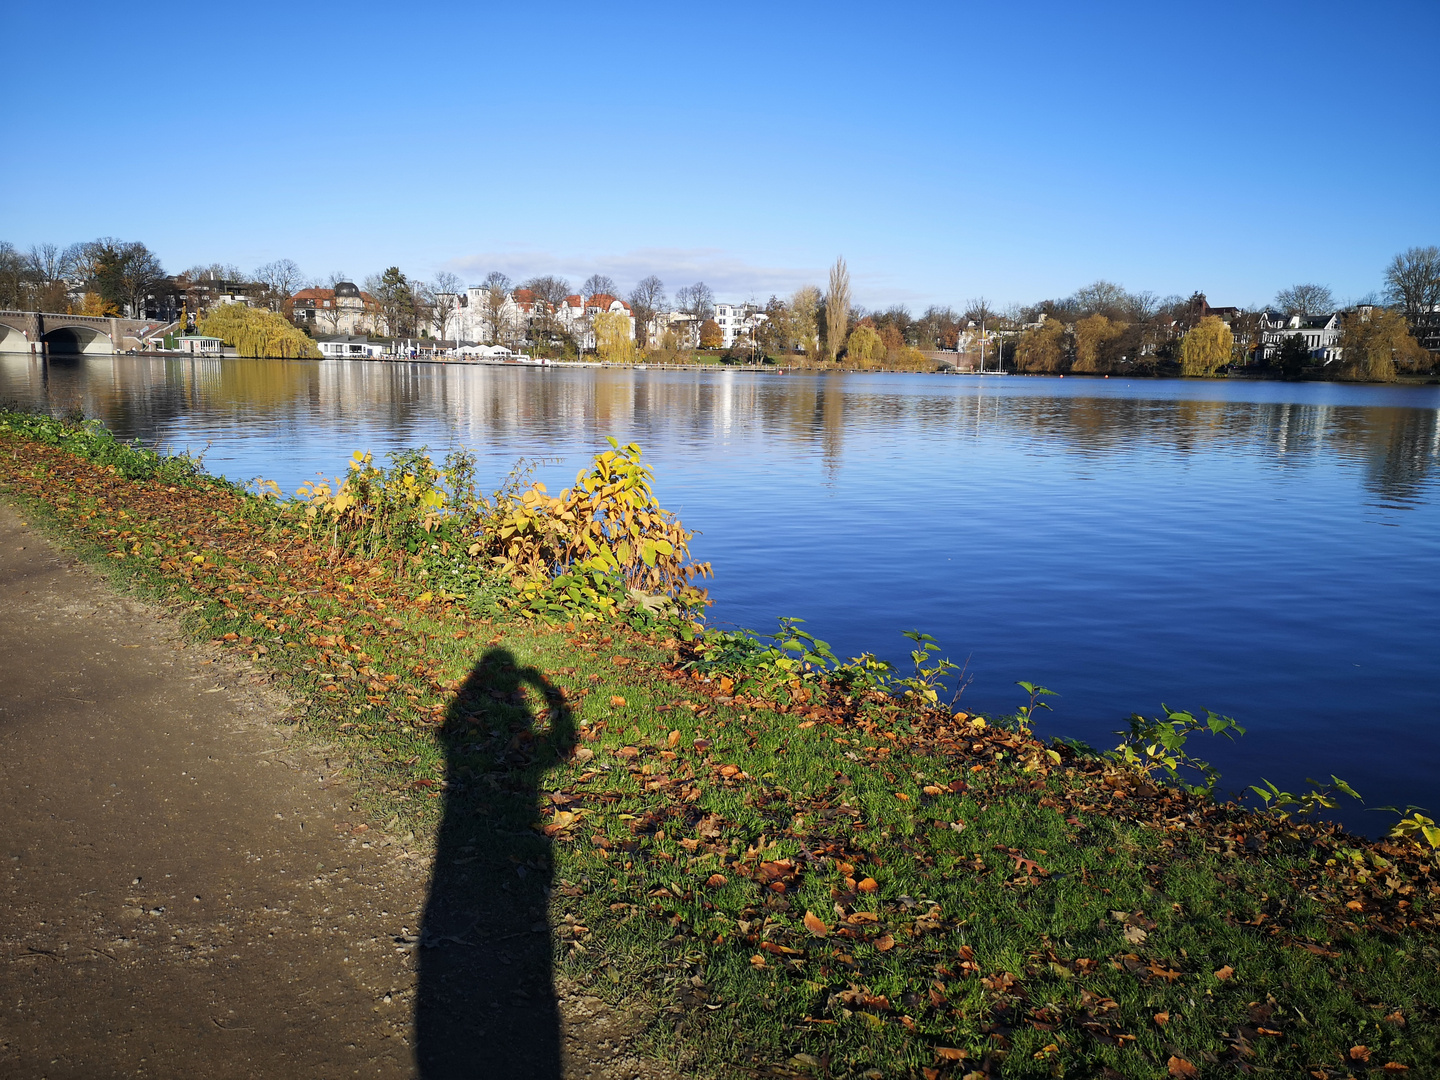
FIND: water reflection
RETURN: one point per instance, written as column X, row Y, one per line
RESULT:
column 1397, row 445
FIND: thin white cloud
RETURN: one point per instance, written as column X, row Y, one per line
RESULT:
column 730, row 277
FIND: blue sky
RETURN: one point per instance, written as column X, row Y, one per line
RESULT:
column 947, row 150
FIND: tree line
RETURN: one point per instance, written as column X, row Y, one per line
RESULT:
column 1101, row 328
column 1104, row 329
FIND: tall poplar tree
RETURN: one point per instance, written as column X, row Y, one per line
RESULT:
column 837, row 308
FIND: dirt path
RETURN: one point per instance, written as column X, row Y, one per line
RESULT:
column 185, row 891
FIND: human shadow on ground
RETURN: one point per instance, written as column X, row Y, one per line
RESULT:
column 485, row 1004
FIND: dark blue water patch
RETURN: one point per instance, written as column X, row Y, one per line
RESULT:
column 1267, row 550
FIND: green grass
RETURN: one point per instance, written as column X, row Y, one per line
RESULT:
column 1027, row 918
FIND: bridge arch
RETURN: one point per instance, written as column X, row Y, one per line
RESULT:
column 13, row 340
column 77, row 340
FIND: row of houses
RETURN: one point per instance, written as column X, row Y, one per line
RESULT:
column 474, row 318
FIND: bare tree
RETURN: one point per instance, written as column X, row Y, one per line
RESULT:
column 1305, row 300
column 46, row 267
column 550, row 293
column 45, row 262
column 13, row 270
column 1412, row 282
column 837, row 308
column 213, row 272
column 697, row 300
column 1101, row 298
column 444, row 300
column 646, row 300
column 979, row 310
column 496, row 288
column 281, row 279
column 599, row 284
column 1144, row 306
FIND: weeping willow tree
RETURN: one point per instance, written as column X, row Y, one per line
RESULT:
column 1204, row 350
column 254, row 332
column 612, row 337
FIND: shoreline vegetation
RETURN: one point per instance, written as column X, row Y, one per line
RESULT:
column 1101, row 329
column 796, row 866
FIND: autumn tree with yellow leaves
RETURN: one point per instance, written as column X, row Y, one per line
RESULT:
column 612, row 337
column 256, row 332
column 864, row 346
column 1207, row 348
column 1376, row 342
column 1093, row 337
column 1042, row 349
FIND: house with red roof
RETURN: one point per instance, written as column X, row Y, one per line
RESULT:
column 345, row 309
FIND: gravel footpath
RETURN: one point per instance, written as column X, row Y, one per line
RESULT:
column 187, row 890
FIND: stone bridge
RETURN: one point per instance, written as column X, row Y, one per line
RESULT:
column 34, row 331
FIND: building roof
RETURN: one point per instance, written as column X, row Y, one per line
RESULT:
column 604, row 302
column 331, row 294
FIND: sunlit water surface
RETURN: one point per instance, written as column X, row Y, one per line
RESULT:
column 1271, row 551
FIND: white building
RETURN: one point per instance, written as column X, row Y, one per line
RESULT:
column 577, row 316
column 682, row 324
column 1321, row 334
column 738, row 323
column 347, row 347
column 474, row 315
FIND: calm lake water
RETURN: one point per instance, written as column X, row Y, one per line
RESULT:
column 1267, row 550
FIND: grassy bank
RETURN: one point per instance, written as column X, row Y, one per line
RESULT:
column 795, row 874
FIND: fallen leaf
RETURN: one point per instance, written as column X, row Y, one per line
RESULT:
column 1394, row 1066
column 1359, row 1053
column 807, row 725
column 730, row 770
column 673, row 739
column 1178, row 1066
column 868, row 885
column 583, row 754
column 617, row 701
column 1224, row 973
column 902, row 795
column 951, row 1053
column 780, row 950
column 1162, row 1018
column 715, row 880
column 931, row 789
column 885, row 943
column 1355, row 905
column 1135, row 935
column 816, row 925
